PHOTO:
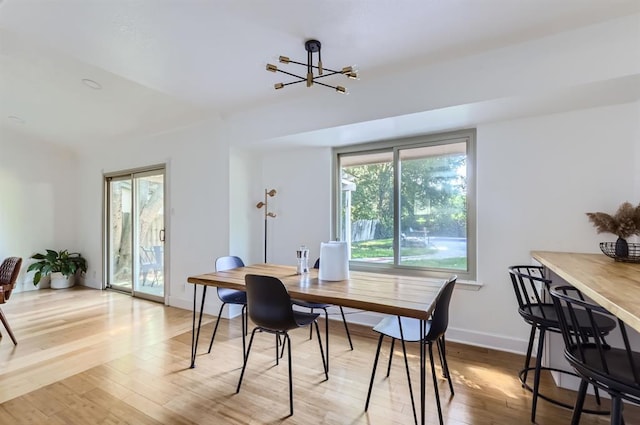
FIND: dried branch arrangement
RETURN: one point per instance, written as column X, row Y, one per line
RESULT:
column 624, row 223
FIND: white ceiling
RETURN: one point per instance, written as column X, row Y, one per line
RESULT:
column 168, row 63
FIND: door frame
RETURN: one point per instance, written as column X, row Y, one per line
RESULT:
column 131, row 173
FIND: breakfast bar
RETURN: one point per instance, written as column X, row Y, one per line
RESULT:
column 612, row 284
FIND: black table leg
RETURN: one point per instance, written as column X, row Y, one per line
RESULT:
column 196, row 335
column 423, row 355
column 406, row 365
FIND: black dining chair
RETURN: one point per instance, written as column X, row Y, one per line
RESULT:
column 322, row 306
column 408, row 330
column 231, row 296
column 269, row 307
column 531, row 287
column 614, row 369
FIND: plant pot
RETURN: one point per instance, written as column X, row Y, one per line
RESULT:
column 60, row 281
column 45, row 283
column 622, row 248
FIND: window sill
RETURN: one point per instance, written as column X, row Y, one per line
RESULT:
column 461, row 283
column 469, row 285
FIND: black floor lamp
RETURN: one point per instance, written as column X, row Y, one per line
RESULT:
column 267, row 214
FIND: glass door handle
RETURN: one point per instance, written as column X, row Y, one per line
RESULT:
column 162, row 235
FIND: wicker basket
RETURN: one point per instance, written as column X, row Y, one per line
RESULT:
column 609, row 249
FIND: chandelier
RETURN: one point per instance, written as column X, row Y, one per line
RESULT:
column 313, row 46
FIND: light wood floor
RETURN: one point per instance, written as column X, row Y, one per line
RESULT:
column 90, row 357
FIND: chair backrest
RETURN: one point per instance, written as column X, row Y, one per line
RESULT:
column 617, row 368
column 528, row 282
column 268, row 302
column 316, row 265
column 228, row 262
column 9, row 270
column 440, row 315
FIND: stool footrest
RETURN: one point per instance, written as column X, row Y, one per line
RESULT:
column 551, row 400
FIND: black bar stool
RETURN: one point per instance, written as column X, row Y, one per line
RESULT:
column 615, row 370
column 529, row 285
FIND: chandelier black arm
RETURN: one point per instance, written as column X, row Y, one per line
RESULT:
column 315, row 67
column 293, row 75
column 294, row 82
column 315, row 82
column 326, row 85
column 304, row 79
column 327, row 75
column 314, row 77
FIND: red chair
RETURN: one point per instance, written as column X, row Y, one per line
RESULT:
column 9, row 270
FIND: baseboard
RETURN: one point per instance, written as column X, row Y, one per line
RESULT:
column 464, row 336
column 210, row 308
column 487, row 340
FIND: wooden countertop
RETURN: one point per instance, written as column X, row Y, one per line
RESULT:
column 613, row 285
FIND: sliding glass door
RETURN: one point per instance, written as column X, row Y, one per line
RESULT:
column 135, row 233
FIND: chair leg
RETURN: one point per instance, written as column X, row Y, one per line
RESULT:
column 527, row 359
column 216, row 328
column 616, row 411
column 597, row 395
column 245, row 325
column 445, row 365
column 439, row 347
column 246, row 359
column 346, row 327
column 536, row 380
column 325, row 365
column 406, row 365
column 435, row 383
column 393, row 342
column 287, row 341
column 577, row 409
column 5, row 322
column 373, row 372
column 311, row 328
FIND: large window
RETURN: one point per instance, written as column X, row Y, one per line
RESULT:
column 409, row 204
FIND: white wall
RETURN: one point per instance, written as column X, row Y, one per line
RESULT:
column 245, row 192
column 302, row 206
column 38, row 185
column 536, row 179
column 197, row 160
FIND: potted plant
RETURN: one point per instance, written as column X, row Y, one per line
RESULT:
column 61, row 265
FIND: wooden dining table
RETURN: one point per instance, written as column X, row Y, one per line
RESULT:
column 393, row 294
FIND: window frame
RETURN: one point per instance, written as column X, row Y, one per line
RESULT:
column 394, row 145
